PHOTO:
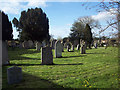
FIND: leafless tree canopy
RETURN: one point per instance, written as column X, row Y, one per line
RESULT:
column 113, row 7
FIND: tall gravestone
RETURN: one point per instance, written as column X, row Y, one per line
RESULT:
column 14, row 75
column 68, row 48
column 46, row 55
column 53, row 44
column 5, row 59
column 38, row 46
column 78, row 47
column 72, row 47
column 58, row 49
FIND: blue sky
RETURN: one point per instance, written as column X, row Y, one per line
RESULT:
column 61, row 14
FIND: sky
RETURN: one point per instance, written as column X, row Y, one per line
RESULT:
column 61, row 14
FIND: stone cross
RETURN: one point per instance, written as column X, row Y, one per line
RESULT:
column 46, row 55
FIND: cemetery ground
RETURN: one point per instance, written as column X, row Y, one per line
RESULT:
column 98, row 68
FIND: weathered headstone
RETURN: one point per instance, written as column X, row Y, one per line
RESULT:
column 58, row 49
column 83, row 49
column 38, row 46
column 53, row 44
column 13, row 44
column 44, row 43
column 46, row 55
column 30, row 44
column 20, row 45
column 95, row 45
column 78, row 47
column 25, row 44
column 14, row 75
column 35, row 43
column 72, row 48
column 5, row 59
column 68, row 48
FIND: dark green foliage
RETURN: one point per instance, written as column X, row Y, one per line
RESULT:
column 78, row 28
column 32, row 25
column 88, row 35
column 77, row 31
column 6, row 27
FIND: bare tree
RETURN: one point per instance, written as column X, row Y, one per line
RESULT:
column 113, row 7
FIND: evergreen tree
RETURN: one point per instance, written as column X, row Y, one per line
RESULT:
column 88, row 35
column 6, row 27
column 32, row 25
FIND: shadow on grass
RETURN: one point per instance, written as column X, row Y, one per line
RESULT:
column 29, row 81
column 24, row 58
column 17, row 53
column 41, row 64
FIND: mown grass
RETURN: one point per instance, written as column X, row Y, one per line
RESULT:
column 98, row 68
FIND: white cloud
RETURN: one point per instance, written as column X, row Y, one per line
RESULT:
column 105, row 15
column 15, row 7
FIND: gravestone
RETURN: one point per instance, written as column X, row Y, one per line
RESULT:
column 46, row 55
column 13, row 44
column 20, row 45
column 44, row 43
column 53, row 44
column 83, row 49
column 72, row 48
column 78, row 47
column 25, row 45
column 5, row 59
column 62, row 46
column 95, row 45
column 30, row 44
column 35, row 43
column 58, row 49
column 76, row 42
column 14, row 75
column 68, row 48
column 38, row 46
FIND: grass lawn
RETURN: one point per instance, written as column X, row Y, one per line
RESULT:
column 96, row 69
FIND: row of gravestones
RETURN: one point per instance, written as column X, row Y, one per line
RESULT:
column 14, row 74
